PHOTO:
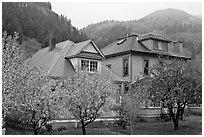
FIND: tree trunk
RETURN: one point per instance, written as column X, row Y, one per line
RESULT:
column 131, row 125
column 182, row 113
column 83, row 127
column 35, row 130
column 175, row 123
column 174, row 117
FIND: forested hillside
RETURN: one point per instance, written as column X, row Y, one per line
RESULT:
column 175, row 24
column 34, row 21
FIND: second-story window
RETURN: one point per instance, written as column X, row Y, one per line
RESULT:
column 88, row 65
column 125, row 67
column 146, row 67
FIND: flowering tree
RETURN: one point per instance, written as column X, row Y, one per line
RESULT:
column 25, row 90
column 176, row 84
column 12, row 60
column 134, row 100
column 87, row 96
column 35, row 99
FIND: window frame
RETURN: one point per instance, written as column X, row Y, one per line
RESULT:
column 145, row 59
column 126, row 86
column 160, row 46
column 89, row 65
column 127, row 67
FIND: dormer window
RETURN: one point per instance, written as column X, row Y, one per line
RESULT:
column 93, row 66
column 89, row 65
column 160, row 45
column 85, row 65
column 121, row 41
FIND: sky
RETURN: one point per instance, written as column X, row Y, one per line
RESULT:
column 85, row 13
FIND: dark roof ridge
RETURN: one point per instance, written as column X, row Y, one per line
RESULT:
column 128, row 36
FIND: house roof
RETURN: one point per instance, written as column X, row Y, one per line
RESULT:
column 127, row 44
column 133, row 43
column 151, row 35
column 112, row 74
column 56, row 62
column 78, row 47
column 87, row 55
column 53, row 62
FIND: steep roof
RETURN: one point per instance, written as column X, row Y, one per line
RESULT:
column 53, row 62
column 112, row 74
column 78, row 47
column 56, row 62
column 133, row 43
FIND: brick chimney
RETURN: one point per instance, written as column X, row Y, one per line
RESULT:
column 52, row 42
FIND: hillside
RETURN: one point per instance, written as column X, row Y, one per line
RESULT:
column 168, row 17
column 35, row 21
column 173, row 23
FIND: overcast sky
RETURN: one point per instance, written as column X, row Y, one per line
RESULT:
column 83, row 14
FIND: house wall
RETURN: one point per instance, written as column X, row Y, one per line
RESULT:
column 138, row 64
column 74, row 62
column 148, row 43
column 117, row 65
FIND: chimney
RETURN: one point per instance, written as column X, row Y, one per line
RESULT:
column 51, row 42
column 181, row 47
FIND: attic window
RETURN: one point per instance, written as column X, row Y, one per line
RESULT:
column 159, row 46
column 121, row 41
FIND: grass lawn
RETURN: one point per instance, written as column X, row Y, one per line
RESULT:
column 191, row 126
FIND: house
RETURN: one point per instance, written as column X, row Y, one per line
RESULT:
column 132, row 55
column 62, row 59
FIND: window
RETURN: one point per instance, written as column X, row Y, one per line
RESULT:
column 87, row 65
column 161, row 63
column 119, row 99
column 146, row 67
column 121, row 41
column 109, row 66
column 159, row 45
column 155, row 45
column 165, row 47
column 126, row 89
column 93, row 66
column 125, row 67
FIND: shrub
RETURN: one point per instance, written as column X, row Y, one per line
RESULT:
column 121, row 122
column 49, row 127
column 61, row 128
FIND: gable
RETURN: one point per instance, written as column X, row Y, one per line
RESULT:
column 89, row 48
